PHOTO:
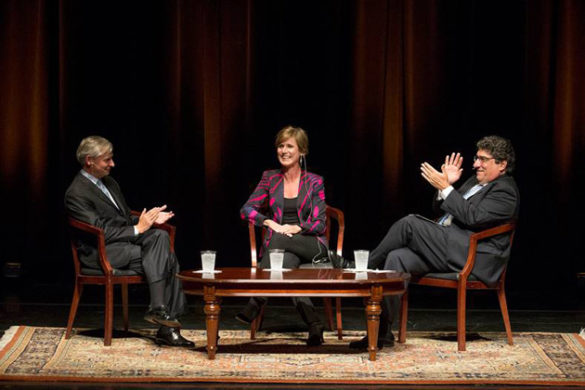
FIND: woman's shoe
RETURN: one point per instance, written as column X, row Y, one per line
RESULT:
column 315, row 335
column 382, row 340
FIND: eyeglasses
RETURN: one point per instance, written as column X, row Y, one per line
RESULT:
column 482, row 159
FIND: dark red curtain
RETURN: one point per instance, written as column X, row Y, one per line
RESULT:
column 191, row 93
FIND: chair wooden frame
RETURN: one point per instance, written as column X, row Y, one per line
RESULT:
column 109, row 278
column 332, row 213
column 462, row 284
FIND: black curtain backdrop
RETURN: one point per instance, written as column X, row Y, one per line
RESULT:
column 191, row 93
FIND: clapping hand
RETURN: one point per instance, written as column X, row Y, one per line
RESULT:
column 437, row 179
column 452, row 167
column 154, row 215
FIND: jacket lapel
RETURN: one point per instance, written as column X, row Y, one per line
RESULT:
column 116, row 195
column 99, row 193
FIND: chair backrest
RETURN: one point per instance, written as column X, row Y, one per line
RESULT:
column 506, row 228
column 332, row 214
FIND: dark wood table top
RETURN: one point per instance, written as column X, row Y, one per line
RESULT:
column 309, row 280
column 314, row 275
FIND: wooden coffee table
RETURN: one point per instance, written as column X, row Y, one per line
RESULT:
column 311, row 282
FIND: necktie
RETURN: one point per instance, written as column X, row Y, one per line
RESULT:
column 447, row 218
column 105, row 190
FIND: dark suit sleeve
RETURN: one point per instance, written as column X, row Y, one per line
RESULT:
column 497, row 204
column 82, row 206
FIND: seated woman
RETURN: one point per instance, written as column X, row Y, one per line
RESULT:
column 295, row 221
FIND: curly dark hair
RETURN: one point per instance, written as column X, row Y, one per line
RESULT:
column 501, row 150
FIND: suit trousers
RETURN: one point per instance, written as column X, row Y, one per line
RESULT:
column 414, row 245
column 157, row 263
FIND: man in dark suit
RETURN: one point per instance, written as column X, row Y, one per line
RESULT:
column 418, row 245
column 131, row 242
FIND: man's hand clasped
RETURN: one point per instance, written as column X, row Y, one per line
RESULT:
column 155, row 215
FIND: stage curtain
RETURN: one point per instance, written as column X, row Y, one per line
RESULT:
column 192, row 93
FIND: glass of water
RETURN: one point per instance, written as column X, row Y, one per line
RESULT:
column 208, row 261
column 276, row 259
column 361, row 259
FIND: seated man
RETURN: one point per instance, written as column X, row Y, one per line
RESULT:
column 95, row 198
column 418, row 246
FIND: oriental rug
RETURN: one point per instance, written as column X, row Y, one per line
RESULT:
column 42, row 354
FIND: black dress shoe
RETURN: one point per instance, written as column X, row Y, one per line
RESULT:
column 161, row 316
column 315, row 335
column 172, row 337
column 363, row 343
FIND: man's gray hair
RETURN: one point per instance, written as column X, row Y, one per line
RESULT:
column 501, row 150
column 93, row 146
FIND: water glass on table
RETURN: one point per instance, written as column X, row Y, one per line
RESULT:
column 361, row 259
column 276, row 259
column 208, row 261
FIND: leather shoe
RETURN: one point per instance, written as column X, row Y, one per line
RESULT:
column 172, row 337
column 161, row 316
column 315, row 335
column 382, row 340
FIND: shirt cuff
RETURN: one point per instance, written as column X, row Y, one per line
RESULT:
column 443, row 194
column 135, row 230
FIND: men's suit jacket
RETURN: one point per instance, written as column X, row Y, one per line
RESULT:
column 496, row 203
column 269, row 193
column 84, row 201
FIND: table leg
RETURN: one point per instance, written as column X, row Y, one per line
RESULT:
column 211, row 309
column 373, row 311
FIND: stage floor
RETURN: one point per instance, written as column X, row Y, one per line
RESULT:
column 47, row 304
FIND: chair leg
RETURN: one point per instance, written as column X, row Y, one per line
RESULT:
column 256, row 323
column 109, row 314
column 461, row 303
column 124, row 287
column 403, row 317
column 504, row 310
column 338, row 318
column 328, row 312
column 77, row 291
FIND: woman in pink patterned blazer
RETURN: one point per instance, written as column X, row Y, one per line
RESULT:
column 290, row 203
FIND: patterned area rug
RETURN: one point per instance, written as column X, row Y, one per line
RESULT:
column 42, row 354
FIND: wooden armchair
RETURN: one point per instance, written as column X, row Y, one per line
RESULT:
column 332, row 214
column 464, row 281
column 106, row 276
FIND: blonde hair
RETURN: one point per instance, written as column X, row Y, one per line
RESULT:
column 93, row 146
column 297, row 133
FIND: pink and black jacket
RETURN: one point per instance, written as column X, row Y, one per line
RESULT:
column 268, row 197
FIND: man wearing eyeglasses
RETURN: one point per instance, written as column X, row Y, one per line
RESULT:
column 417, row 245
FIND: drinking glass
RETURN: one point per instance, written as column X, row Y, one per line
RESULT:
column 361, row 259
column 276, row 259
column 208, row 261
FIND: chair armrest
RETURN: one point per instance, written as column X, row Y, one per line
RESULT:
column 508, row 227
column 100, row 242
column 170, row 229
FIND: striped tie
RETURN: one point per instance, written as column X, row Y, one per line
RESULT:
column 105, row 190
